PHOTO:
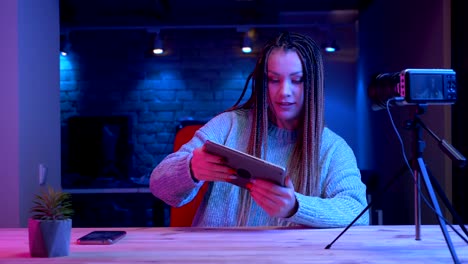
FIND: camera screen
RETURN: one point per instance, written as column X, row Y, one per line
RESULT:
column 426, row 87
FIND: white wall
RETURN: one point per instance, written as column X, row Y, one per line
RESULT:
column 340, row 102
column 29, row 103
column 9, row 114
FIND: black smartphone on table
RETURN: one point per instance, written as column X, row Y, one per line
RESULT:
column 101, row 237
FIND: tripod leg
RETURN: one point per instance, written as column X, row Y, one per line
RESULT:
column 446, row 202
column 417, row 204
column 389, row 184
column 435, row 203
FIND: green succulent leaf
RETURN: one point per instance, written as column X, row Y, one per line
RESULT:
column 52, row 204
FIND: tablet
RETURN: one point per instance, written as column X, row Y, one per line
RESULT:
column 247, row 166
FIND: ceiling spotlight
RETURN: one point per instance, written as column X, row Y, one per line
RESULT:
column 157, row 44
column 247, row 43
column 331, row 47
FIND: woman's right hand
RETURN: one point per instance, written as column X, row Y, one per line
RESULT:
column 209, row 167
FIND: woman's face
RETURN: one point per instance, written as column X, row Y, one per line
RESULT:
column 285, row 87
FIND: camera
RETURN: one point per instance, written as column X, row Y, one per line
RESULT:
column 414, row 86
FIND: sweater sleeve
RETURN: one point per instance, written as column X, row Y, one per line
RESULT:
column 171, row 180
column 343, row 194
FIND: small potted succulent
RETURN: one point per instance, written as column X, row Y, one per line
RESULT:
column 50, row 224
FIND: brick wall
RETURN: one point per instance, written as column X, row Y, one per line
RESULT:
column 112, row 73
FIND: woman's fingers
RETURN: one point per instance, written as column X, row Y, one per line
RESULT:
column 209, row 167
column 276, row 200
column 265, row 202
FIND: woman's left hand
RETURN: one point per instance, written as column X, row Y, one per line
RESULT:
column 277, row 201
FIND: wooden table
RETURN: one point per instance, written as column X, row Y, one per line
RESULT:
column 369, row 244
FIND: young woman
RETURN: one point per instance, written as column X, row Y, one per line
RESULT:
column 283, row 123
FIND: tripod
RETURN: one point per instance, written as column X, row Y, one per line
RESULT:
column 419, row 169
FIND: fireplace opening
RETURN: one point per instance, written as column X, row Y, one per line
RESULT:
column 98, row 152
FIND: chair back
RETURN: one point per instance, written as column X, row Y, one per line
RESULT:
column 183, row 216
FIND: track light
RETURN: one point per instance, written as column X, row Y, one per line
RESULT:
column 331, row 47
column 64, row 45
column 247, row 41
column 158, row 48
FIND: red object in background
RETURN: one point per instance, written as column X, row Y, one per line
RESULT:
column 183, row 216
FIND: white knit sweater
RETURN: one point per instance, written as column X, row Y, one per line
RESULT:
column 342, row 198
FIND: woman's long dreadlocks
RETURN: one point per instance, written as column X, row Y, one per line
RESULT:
column 303, row 167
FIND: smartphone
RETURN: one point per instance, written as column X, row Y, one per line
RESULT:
column 101, row 237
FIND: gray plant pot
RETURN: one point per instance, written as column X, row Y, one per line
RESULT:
column 49, row 238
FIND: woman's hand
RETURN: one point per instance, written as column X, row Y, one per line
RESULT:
column 276, row 200
column 208, row 167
